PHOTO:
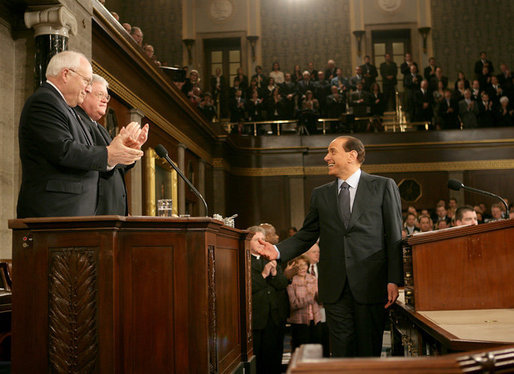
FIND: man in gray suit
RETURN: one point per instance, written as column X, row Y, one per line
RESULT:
column 358, row 220
column 468, row 111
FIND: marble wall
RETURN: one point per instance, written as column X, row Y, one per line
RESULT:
column 161, row 22
column 16, row 82
column 296, row 32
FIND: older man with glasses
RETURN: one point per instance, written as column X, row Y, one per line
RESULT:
column 112, row 192
column 60, row 160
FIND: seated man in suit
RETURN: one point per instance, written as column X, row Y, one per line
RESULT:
column 60, row 161
column 486, row 117
column 357, row 78
column 468, row 111
column 449, row 112
column 112, row 193
column 465, row 215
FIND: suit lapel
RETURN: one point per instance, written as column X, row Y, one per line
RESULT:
column 84, row 127
column 332, row 201
column 105, row 134
column 363, row 192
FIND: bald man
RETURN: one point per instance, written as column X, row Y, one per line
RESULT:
column 60, row 161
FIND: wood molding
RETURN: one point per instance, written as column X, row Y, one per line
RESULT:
column 127, row 95
column 380, row 168
column 455, row 143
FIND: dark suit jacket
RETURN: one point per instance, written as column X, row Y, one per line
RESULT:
column 214, row 89
column 449, row 120
column 479, row 66
column 428, row 73
column 388, row 69
column 112, row 192
column 421, row 114
column 59, row 160
column 336, row 105
column 269, row 297
column 486, row 117
column 468, row 114
column 370, row 73
column 368, row 253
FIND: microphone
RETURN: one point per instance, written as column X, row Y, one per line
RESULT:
column 455, row 185
column 163, row 153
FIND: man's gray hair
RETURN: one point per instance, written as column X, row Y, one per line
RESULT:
column 63, row 60
column 99, row 79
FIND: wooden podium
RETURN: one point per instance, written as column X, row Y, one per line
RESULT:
column 461, row 268
column 130, row 295
column 458, row 291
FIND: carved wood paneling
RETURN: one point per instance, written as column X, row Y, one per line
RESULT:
column 213, row 340
column 72, row 325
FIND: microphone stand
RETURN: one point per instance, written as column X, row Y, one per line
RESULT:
column 476, row 190
column 179, row 172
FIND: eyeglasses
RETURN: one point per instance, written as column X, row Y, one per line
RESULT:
column 102, row 96
column 86, row 80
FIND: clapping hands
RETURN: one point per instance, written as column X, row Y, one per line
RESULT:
column 269, row 268
column 133, row 135
column 125, row 148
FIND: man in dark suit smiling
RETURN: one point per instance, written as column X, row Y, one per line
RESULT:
column 112, row 192
column 358, row 220
column 60, row 162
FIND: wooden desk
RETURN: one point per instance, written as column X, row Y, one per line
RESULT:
column 308, row 359
column 440, row 332
column 130, row 295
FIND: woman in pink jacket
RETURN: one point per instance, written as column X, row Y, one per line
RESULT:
column 305, row 311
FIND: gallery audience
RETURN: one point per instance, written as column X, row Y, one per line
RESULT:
column 426, row 98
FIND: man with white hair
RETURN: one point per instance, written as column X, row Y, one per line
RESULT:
column 60, row 161
column 112, row 192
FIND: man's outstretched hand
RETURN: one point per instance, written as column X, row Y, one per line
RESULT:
column 268, row 251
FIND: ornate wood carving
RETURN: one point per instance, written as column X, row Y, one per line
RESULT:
column 213, row 341
column 248, row 276
column 73, row 342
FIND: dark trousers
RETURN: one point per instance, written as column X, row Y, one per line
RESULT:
column 325, row 339
column 355, row 329
column 305, row 334
column 268, row 345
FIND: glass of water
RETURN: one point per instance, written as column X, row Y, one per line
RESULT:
column 164, row 207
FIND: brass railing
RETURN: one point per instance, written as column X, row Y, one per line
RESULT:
column 402, row 124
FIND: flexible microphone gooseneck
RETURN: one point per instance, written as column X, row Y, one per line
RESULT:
column 455, row 185
column 163, row 153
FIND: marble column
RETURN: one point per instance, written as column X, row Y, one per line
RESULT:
column 296, row 200
column 219, row 176
column 52, row 28
column 181, row 155
column 201, row 181
column 136, row 174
